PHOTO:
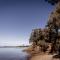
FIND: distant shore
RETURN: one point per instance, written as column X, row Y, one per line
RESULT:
column 12, row 46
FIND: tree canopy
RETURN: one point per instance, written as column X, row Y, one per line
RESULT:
column 51, row 33
column 53, row 2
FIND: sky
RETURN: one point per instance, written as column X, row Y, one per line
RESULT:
column 19, row 17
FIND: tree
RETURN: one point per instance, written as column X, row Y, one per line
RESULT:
column 36, row 35
column 54, row 22
column 53, row 33
column 53, row 2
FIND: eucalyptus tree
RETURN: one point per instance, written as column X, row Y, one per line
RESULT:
column 37, row 38
column 54, row 23
column 52, row 2
column 56, row 12
column 36, row 35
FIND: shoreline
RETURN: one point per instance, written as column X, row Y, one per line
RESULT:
column 43, row 56
column 39, row 56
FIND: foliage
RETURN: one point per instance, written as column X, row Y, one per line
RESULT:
column 36, row 35
column 53, row 2
column 51, row 33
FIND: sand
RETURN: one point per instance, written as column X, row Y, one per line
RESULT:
column 39, row 55
column 43, row 57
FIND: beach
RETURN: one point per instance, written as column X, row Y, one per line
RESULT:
column 35, row 55
column 44, row 57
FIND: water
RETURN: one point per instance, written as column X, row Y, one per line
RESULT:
column 12, row 54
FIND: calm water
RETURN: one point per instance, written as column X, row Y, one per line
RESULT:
column 12, row 54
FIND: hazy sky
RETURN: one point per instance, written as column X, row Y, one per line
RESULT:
column 19, row 17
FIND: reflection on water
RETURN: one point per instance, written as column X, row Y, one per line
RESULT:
column 12, row 54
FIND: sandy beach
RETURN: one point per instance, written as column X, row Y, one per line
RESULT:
column 43, row 57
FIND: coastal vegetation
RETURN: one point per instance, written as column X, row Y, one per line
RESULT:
column 48, row 39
